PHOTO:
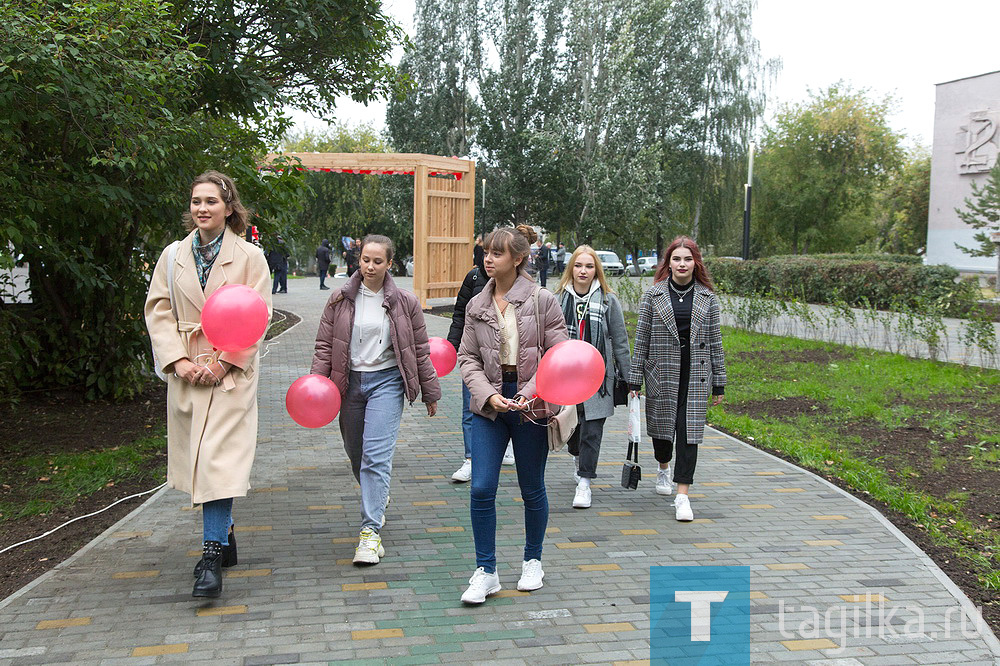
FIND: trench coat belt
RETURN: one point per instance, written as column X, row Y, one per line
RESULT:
column 228, row 383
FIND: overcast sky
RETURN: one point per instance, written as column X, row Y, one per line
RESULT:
column 888, row 46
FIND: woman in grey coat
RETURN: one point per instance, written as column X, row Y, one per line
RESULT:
column 678, row 354
column 593, row 313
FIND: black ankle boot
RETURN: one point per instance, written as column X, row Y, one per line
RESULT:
column 209, row 582
column 229, row 557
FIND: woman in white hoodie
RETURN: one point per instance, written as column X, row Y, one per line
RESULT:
column 593, row 314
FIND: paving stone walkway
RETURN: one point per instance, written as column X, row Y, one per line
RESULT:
column 296, row 598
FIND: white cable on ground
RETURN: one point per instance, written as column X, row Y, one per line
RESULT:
column 41, row 536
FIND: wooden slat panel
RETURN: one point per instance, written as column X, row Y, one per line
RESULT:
column 379, row 161
column 447, row 195
column 448, row 239
column 444, row 285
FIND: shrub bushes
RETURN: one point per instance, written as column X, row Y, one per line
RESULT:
column 885, row 285
column 877, row 258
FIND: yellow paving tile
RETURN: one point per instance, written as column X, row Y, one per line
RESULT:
column 757, row 595
column 272, row 489
column 131, row 535
column 552, row 530
column 355, row 587
column 509, row 593
column 123, row 575
column 634, row 662
column 789, row 490
column 599, row 567
column 710, row 447
column 248, row 573
column 756, row 506
column 191, row 508
column 726, row 460
column 252, row 528
column 431, row 503
column 608, row 627
column 696, row 495
column 449, row 432
column 194, row 553
column 831, row 517
column 769, row 473
column 429, row 476
column 576, row 544
column 600, row 485
column 429, row 455
column 369, row 634
column 862, row 598
column 714, row 484
column 638, row 532
column 824, row 542
column 702, row 521
column 713, row 544
column 518, row 499
column 810, row 644
column 346, row 560
column 62, row 624
column 222, row 610
column 353, row 539
column 446, row 528
column 614, row 513
column 787, row 566
column 155, row 650
column 325, row 507
column 304, row 468
column 508, row 471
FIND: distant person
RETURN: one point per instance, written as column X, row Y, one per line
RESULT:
column 542, row 263
column 211, row 396
column 477, row 254
column 351, row 257
column 561, row 259
column 678, row 355
column 323, row 258
column 277, row 261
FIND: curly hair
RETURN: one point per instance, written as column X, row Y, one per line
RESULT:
column 238, row 218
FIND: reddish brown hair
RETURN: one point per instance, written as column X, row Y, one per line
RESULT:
column 700, row 272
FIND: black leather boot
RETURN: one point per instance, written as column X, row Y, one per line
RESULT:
column 209, row 582
column 229, row 557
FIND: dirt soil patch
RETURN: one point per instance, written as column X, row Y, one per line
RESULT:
column 810, row 356
column 780, row 408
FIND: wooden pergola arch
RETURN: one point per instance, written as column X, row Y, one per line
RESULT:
column 444, row 197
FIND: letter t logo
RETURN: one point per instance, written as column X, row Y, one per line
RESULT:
column 701, row 611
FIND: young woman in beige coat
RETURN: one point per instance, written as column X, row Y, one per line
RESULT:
column 211, row 398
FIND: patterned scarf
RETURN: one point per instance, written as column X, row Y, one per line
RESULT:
column 587, row 310
column 205, row 255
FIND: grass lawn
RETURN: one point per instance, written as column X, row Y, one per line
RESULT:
column 919, row 437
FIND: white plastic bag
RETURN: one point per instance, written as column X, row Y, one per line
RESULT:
column 634, row 418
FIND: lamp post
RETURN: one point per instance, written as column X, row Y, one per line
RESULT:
column 748, row 188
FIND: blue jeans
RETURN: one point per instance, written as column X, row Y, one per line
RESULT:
column 531, row 449
column 280, row 282
column 369, row 423
column 216, row 518
column 466, row 420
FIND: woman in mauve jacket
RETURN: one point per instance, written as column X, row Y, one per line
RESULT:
column 372, row 342
column 508, row 326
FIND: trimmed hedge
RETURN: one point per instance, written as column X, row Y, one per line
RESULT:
column 884, row 285
column 877, row 258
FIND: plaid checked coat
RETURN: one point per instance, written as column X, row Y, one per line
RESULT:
column 656, row 360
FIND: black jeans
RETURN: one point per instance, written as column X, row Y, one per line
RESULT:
column 687, row 454
column 585, row 442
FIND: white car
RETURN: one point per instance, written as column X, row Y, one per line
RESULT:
column 612, row 264
column 409, row 267
column 645, row 264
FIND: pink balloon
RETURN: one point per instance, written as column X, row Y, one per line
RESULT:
column 569, row 373
column 443, row 356
column 312, row 401
column 234, row 317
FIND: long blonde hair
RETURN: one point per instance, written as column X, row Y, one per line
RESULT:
column 567, row 276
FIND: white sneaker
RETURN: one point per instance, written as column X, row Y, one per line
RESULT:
column 682, row 505
column 463, row 473
column 481, row 585
column 582, row 498
column 369, row 548
column 508, row 455
column 664, row 486
column 531, row 575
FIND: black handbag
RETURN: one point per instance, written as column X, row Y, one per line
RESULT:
column 621, row 392
column 631, row 472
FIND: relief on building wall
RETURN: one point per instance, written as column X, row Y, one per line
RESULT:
column 978, row 142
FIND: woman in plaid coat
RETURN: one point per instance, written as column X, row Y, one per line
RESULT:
column 678, row 356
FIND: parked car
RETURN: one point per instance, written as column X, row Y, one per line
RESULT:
column 646, row 264
column 612, row 264
column 409, row 267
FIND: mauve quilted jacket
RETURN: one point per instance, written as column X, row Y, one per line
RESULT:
column 332, row 357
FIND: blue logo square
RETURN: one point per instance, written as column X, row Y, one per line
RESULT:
column 699, row 615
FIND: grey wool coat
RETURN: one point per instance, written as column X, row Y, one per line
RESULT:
column 656, row 360
column 617, row 361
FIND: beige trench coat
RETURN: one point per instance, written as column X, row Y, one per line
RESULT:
column 211, row 430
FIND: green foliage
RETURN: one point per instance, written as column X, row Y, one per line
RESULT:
column 877, row 284
column 982, row 211
column 820, row 167
column 903, row 207
column 107, row 112
column 852, row 256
